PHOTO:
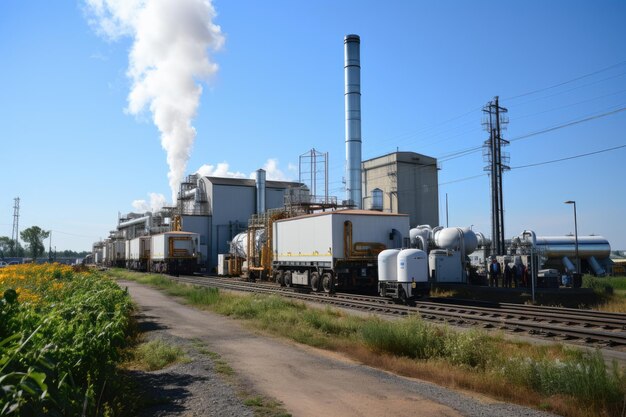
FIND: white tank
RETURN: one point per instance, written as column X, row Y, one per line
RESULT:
column 450, row 237
column 412, row 265
column 387, row 265
column 239, row 244
column 419, row 236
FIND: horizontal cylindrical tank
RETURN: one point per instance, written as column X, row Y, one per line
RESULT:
column 412, row 265
column 239, row 244
column 387, row 265
column 450, row 238
column 559, row 246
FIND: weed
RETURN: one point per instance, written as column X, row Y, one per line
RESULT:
column 157, row 354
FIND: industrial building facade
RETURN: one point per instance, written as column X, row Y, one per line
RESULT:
column 403, row 182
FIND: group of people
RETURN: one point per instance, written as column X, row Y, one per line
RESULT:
column 513, row 274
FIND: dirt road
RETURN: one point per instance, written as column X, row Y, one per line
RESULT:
column 311, row 382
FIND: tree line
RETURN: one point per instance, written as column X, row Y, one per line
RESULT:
column 34, row 238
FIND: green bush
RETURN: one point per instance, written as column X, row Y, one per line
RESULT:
column 60, row 349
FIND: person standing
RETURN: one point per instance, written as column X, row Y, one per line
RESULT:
column 494, row 272
column 518, row 273
column 508, row 275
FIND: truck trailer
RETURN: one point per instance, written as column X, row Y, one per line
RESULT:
column 335, row 250
column 174, row 253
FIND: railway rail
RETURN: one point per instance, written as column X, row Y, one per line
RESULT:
column 583, row 327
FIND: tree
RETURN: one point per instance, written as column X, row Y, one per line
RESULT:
column 34, row 237
column 6, row 246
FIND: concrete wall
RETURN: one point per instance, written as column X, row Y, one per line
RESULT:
column 232, row 203
column 409, row 182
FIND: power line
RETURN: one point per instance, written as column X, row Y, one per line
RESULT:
column 570, row 157
column 566, row 82
column 538, row 164
column 575, row 122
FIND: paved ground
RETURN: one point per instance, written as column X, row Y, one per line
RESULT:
column 310, row 382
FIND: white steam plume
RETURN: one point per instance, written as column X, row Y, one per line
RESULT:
column 168, row 58
column 222, row 169
column 157, row 202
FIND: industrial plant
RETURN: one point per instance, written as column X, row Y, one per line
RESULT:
column 385, row 236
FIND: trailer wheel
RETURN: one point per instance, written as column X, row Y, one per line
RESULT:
column 287, row 278
column 328, row 283
column 278, row 277
column 316, row 284
column 403, row 297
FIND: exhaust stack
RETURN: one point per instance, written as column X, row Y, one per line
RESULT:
column 352, row 74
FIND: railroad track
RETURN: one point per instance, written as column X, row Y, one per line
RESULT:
column 584, row 327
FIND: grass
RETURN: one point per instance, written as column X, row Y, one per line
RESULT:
column 554, row 377
column 157, row 354
column 610, row 290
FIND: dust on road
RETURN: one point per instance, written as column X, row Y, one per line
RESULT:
column 308, row 381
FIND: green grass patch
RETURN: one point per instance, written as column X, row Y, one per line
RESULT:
column 157, row 354
column 553, row 372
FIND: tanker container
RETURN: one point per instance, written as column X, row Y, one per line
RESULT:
column 411, row 278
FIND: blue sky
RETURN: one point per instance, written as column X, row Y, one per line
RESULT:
column 76, row 158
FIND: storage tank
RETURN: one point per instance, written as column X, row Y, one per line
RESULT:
column 450, row 238
column 412, row 265
column 419, row 237
column 239, row 244
column 387, row 265
column 559, row 246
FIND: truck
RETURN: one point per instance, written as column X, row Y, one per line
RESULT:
column 138, row 253
column 335, row 250
column 174, row 253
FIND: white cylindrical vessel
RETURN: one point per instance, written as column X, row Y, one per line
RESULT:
column 412, row 265
column 387, row 265
column 450, row 238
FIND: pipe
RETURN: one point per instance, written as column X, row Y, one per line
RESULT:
column 260, row 191
column 569, row 266
column 595, row 266
column 352, row 92
column 145, row 219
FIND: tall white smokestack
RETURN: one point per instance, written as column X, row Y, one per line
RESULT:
column 352, row 72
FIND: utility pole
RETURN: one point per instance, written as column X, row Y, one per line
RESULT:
column 50, row 247
column 494, row 122
column 15, row 234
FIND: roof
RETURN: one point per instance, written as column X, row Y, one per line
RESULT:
column 353, row 212
column 246, row 182
column 404, row 157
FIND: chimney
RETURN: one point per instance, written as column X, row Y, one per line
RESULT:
column 260, row 191
column 352, row 73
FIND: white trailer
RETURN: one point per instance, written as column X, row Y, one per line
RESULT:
column 138, row 253
column 174, row 252
column 334, row 250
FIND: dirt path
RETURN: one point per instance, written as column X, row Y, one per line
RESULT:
column 310, row 382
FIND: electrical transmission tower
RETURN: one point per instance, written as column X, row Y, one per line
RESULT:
column 15, row 234
column 495, row 122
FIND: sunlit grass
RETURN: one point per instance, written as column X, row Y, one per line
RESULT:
column 560, row 379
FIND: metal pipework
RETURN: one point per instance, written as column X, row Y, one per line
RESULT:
column 352, row 93
column 260, row 191
column 145, row 219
